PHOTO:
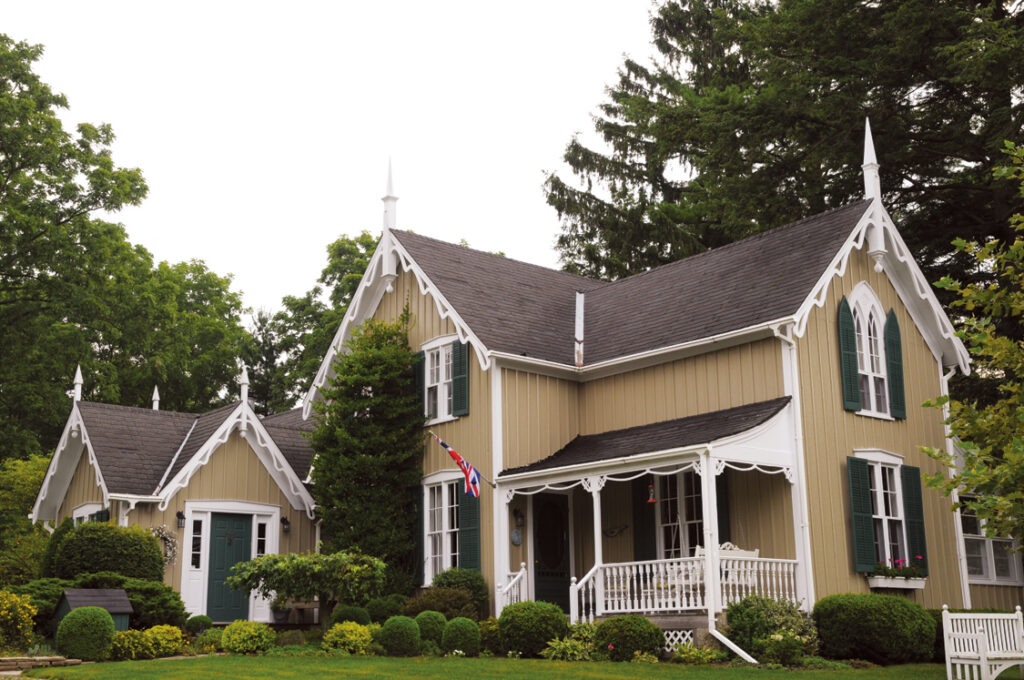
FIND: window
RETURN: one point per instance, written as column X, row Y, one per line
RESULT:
column 680, row 517
column 197, row 544
column 442, row 377
column 439, row 382
column 90, row 512
column 869, row 362
column 988, row 559
column 871, row 356
column 887, row 511
column 442, row 545
column 261, row 539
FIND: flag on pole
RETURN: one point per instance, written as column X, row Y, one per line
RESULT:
column 471, row 473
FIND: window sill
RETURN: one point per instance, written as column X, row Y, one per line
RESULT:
column 875, row 414
column 438, row 421
column 896, row 582
column 1009, row 583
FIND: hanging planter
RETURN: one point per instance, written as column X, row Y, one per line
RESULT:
column 897, row 582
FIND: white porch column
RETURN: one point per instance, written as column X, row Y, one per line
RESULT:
column 594, row 486
column 709, row 501
column 502, row 498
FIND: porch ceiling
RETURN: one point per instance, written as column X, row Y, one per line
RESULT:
column 670, row 434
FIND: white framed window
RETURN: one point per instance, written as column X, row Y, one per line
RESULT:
column 439, row 395
column 88, row 512
column 441, row 547
column 869, row 324
column 989, row 559
column 196, row 551
column 261, row 538
column 680, row 514
column 887, row 513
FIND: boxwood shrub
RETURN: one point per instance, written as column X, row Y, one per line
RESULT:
column 452, row 602
column 431, row 626
column 469, row 580
column 86, row 633
column 400, row 636
column 198, row 623
column 247, row 637
column 381, row 609
column 884, row 629
column 526, row 627
column 344, row 612
column 97, row 546
column 462, row 634
column 490, row 635
column 624, row 636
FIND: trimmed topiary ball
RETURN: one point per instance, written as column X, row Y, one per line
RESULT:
column 198, row 623
column 86, row 633
column 462, row 634
column 349, row 636
column 344, row 612
column 247, row 637
column 381, row 609
column 623, row 636
column 884, row 629
column 471, row 581
column 526, row 627
column 431, row 626
column 400, row 636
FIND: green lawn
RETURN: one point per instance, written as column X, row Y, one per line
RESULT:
column 311, row 668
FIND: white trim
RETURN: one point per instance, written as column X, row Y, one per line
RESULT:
column 73, row 442
column 442, row 479
column 961, row 548
column 83, row 510
column 879, row 456
column 177, row 453
column 500, row 524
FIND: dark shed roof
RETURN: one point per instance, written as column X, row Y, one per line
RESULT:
column 114, row 601
column 668, row 434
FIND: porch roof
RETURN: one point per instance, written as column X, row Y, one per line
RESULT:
column 668, row 434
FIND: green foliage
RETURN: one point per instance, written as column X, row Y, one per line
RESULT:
column 644, row 657
column 44, row 594
column 817, row 663
column 347, row 612
column 469, row 580
column 490, row 635
column 431, row 625
column 86, row 633
column 450, row 602
column 247, row 637
column 784, row 647
column 623, row 636
column 48, row 566
column 166, row 640
column 98, row 546
column 461, row 634
column 381, row 609
column 400, row 636
column 208, row 641
column 368, row 437
column 567, row 649
column 290, row 638
column 696, row 656
column 753, row 620
column 348, row 636
column 16, row 612
column 132, row 645
column 104, row 580
column 21, row 544
column 883, row 629
column 198, row 623
column 153, row 604
column 526, row 627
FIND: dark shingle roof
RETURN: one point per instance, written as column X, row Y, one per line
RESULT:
column 114, row 601
column 288, row 431
column 669, row 434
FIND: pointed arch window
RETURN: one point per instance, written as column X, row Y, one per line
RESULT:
column 871, row 356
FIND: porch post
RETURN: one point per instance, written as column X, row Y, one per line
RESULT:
column 502, row 497
column 799, row 531
column 709, row 500
column 594, row 486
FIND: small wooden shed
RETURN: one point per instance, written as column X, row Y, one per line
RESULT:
column 115, row 601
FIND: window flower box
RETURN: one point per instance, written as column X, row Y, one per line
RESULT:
column 897, row 582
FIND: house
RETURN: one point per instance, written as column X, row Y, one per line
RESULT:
column 744, row 421
column 220, row 487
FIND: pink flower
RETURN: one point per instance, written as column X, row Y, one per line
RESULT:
column 918, row 557
column 610, row 646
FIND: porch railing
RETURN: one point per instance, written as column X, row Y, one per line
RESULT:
column 765, row 577
column 513, row 591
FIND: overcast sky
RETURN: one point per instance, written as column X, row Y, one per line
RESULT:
column 264, row 129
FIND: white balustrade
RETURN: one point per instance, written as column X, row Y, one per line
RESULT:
column 513, row 591
column 770, row 578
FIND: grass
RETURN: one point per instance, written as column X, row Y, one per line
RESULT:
column 278, row 668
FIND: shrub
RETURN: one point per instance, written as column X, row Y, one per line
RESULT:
column 247, row 637
column 348, row 636
column 132, row 645
column 490, row 636
column 343, row 613
column 567, row 649
column 526, row 627
column 450, row 602
column 622, row 636
column 153, row 604
column 208, row 641
column 754, row 619
column 167, row 640
column 644, row 657
column 461, row 634
column 104, row 580
column 696, row 656
column 400, row 636
column 381, row 609
column 883, row 629
column 469, row 580
column 86, row 633
column 16, row 612
column 198, row 623
column 429, row 648
column 431, row 625
column 290, row 638
column 44, row 594
column 784, row 647
column 48, row 569
column 97, row 546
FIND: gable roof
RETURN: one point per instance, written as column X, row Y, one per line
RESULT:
column 289, row 431
column 115, row 601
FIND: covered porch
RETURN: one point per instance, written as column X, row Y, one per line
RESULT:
column 682, row 517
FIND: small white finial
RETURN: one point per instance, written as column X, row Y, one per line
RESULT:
column 390, row 202
column 78, row 383
column 156, row 398
column 243, row 382
column 872, row 184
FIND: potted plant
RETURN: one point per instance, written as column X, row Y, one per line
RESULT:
column 901, row 573
column 280, row 609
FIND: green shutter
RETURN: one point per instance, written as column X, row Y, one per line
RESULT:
column 645, row 542
column 848, row 358
column 460, row 379
column 469, row 531
column 864, row 557
column 419, row 378
column 722, row 495
column 894, row 367
column 421, row 530
column 913, row 511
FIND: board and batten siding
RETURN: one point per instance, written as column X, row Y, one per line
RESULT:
column 831, row 434
column 761, row 513
column 469, row 435
column 996, row 597
column 82, row 489
column 540, row 415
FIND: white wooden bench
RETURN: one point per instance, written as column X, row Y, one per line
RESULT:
column 981, row 646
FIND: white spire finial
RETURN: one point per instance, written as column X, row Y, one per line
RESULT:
column 243, row 382
column 78, row 383
column 872, row 183
column 156, row 398
column 390, row 202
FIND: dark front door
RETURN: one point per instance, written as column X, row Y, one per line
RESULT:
column 230, row 540
column 551, row 548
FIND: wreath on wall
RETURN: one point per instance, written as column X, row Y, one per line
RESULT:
column 169, row 541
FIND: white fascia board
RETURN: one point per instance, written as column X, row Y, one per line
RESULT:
column 768, row 444
column 62, row 468
column 639, row 461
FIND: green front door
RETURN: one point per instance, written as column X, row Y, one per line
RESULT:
column 230, row 540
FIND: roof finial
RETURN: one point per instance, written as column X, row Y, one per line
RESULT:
column 872, row 184
column 243, row 382
column 78, row 383
column 390, row 202
column 156, row 398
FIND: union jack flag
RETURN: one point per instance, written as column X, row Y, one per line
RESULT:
column 471, row 473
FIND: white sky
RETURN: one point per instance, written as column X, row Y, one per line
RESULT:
column 264, row 129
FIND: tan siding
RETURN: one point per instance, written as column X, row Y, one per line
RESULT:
column 81, row 489
column 540, row 415
column 761, row 513
column 426, row 323
column 233, row 473
column 996, row 597
column 831, row 434
column 616, row 510
column 730, row 377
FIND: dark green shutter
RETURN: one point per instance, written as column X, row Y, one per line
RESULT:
column 848, row 357
column 722, row 495
column 419, row 378
column 913, row 512
column 894, row 367
column 469, row 531
column 864, row 557
column 460, row 379
column 421, row 530
column 645, row 542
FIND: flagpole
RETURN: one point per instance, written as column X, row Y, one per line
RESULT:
column 482, row 476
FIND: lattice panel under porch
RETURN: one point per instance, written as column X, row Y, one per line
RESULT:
column 677, row 637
